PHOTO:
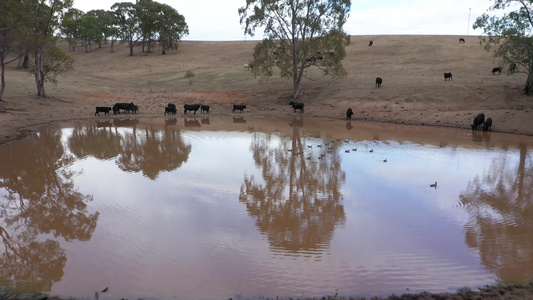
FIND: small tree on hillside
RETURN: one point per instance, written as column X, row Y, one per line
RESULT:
column 511, row 35
column 299, row 34
column 189, row 75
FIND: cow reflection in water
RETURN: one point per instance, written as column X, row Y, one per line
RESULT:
column 205, row 120
column 103, row 124
column 304, row 220
column 500, row 209
column 191, row 122
column 171, row 121
column 239, row 120
column 125, row 122
column 479, row 136
column 349, row 125
column 297, row 122
column 39, row 200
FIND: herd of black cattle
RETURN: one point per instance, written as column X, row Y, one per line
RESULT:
column 479, row 120
column 169, row 109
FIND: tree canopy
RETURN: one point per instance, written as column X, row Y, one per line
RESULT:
column 511, row 36
column 298, row 34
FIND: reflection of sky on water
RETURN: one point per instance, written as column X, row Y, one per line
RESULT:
column 186, row 233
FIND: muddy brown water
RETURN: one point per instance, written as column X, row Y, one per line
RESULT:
column 217, row 208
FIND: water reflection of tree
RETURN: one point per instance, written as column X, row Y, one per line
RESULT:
column 91, row 139
column 145, row 150
column 153, row 152
column 40, row 200
column 500, row 205
column 299, row 204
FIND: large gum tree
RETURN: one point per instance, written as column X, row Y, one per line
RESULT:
column 298, row 34
column 511, row 35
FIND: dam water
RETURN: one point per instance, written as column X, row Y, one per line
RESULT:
column 218, row 208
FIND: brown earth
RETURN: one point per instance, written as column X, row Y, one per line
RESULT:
column 413, row 91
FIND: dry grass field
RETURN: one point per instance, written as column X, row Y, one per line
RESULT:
column 413, row 91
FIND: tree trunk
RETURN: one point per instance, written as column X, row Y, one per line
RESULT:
column 131, row 48
column 528, row 88
column 23, row 62
column 297, row 92
column 39, row 73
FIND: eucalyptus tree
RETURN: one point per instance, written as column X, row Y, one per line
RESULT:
column 511, row 35
column 147, row 12
column 128, row 23
column 70, row 27
column 14, row 24
column 298, row 34
column 171, row 27
column 105, row 23
column 89, row 31
column 45, row 16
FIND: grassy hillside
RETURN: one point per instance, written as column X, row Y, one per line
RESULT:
column 413, row 89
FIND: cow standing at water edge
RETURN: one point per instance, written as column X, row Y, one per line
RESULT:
column 349, row 113
column 193, row 107
column 170, row 109
column 104, row 109
column 487, row 124
column 297, row 105
column 478, row 121
column 129, row 107
column 238, row 108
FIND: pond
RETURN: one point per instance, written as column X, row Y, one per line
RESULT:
column 218, row 208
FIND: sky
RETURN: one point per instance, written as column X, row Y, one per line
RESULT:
column 218, row 20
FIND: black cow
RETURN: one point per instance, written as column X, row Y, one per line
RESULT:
column 379, row 81
column 297, row 105
column 204, row 109
column 461, row 40
column 170, row 109
column 371, row 43
column 487, row 124
column 349, row 113
column 104, row 109
column 496, row 70
column 133, row 108
column 512, row 67
column 448, row 76
column 478, row 121
column 238, row 108
column 124, row 106
column 193, row 107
